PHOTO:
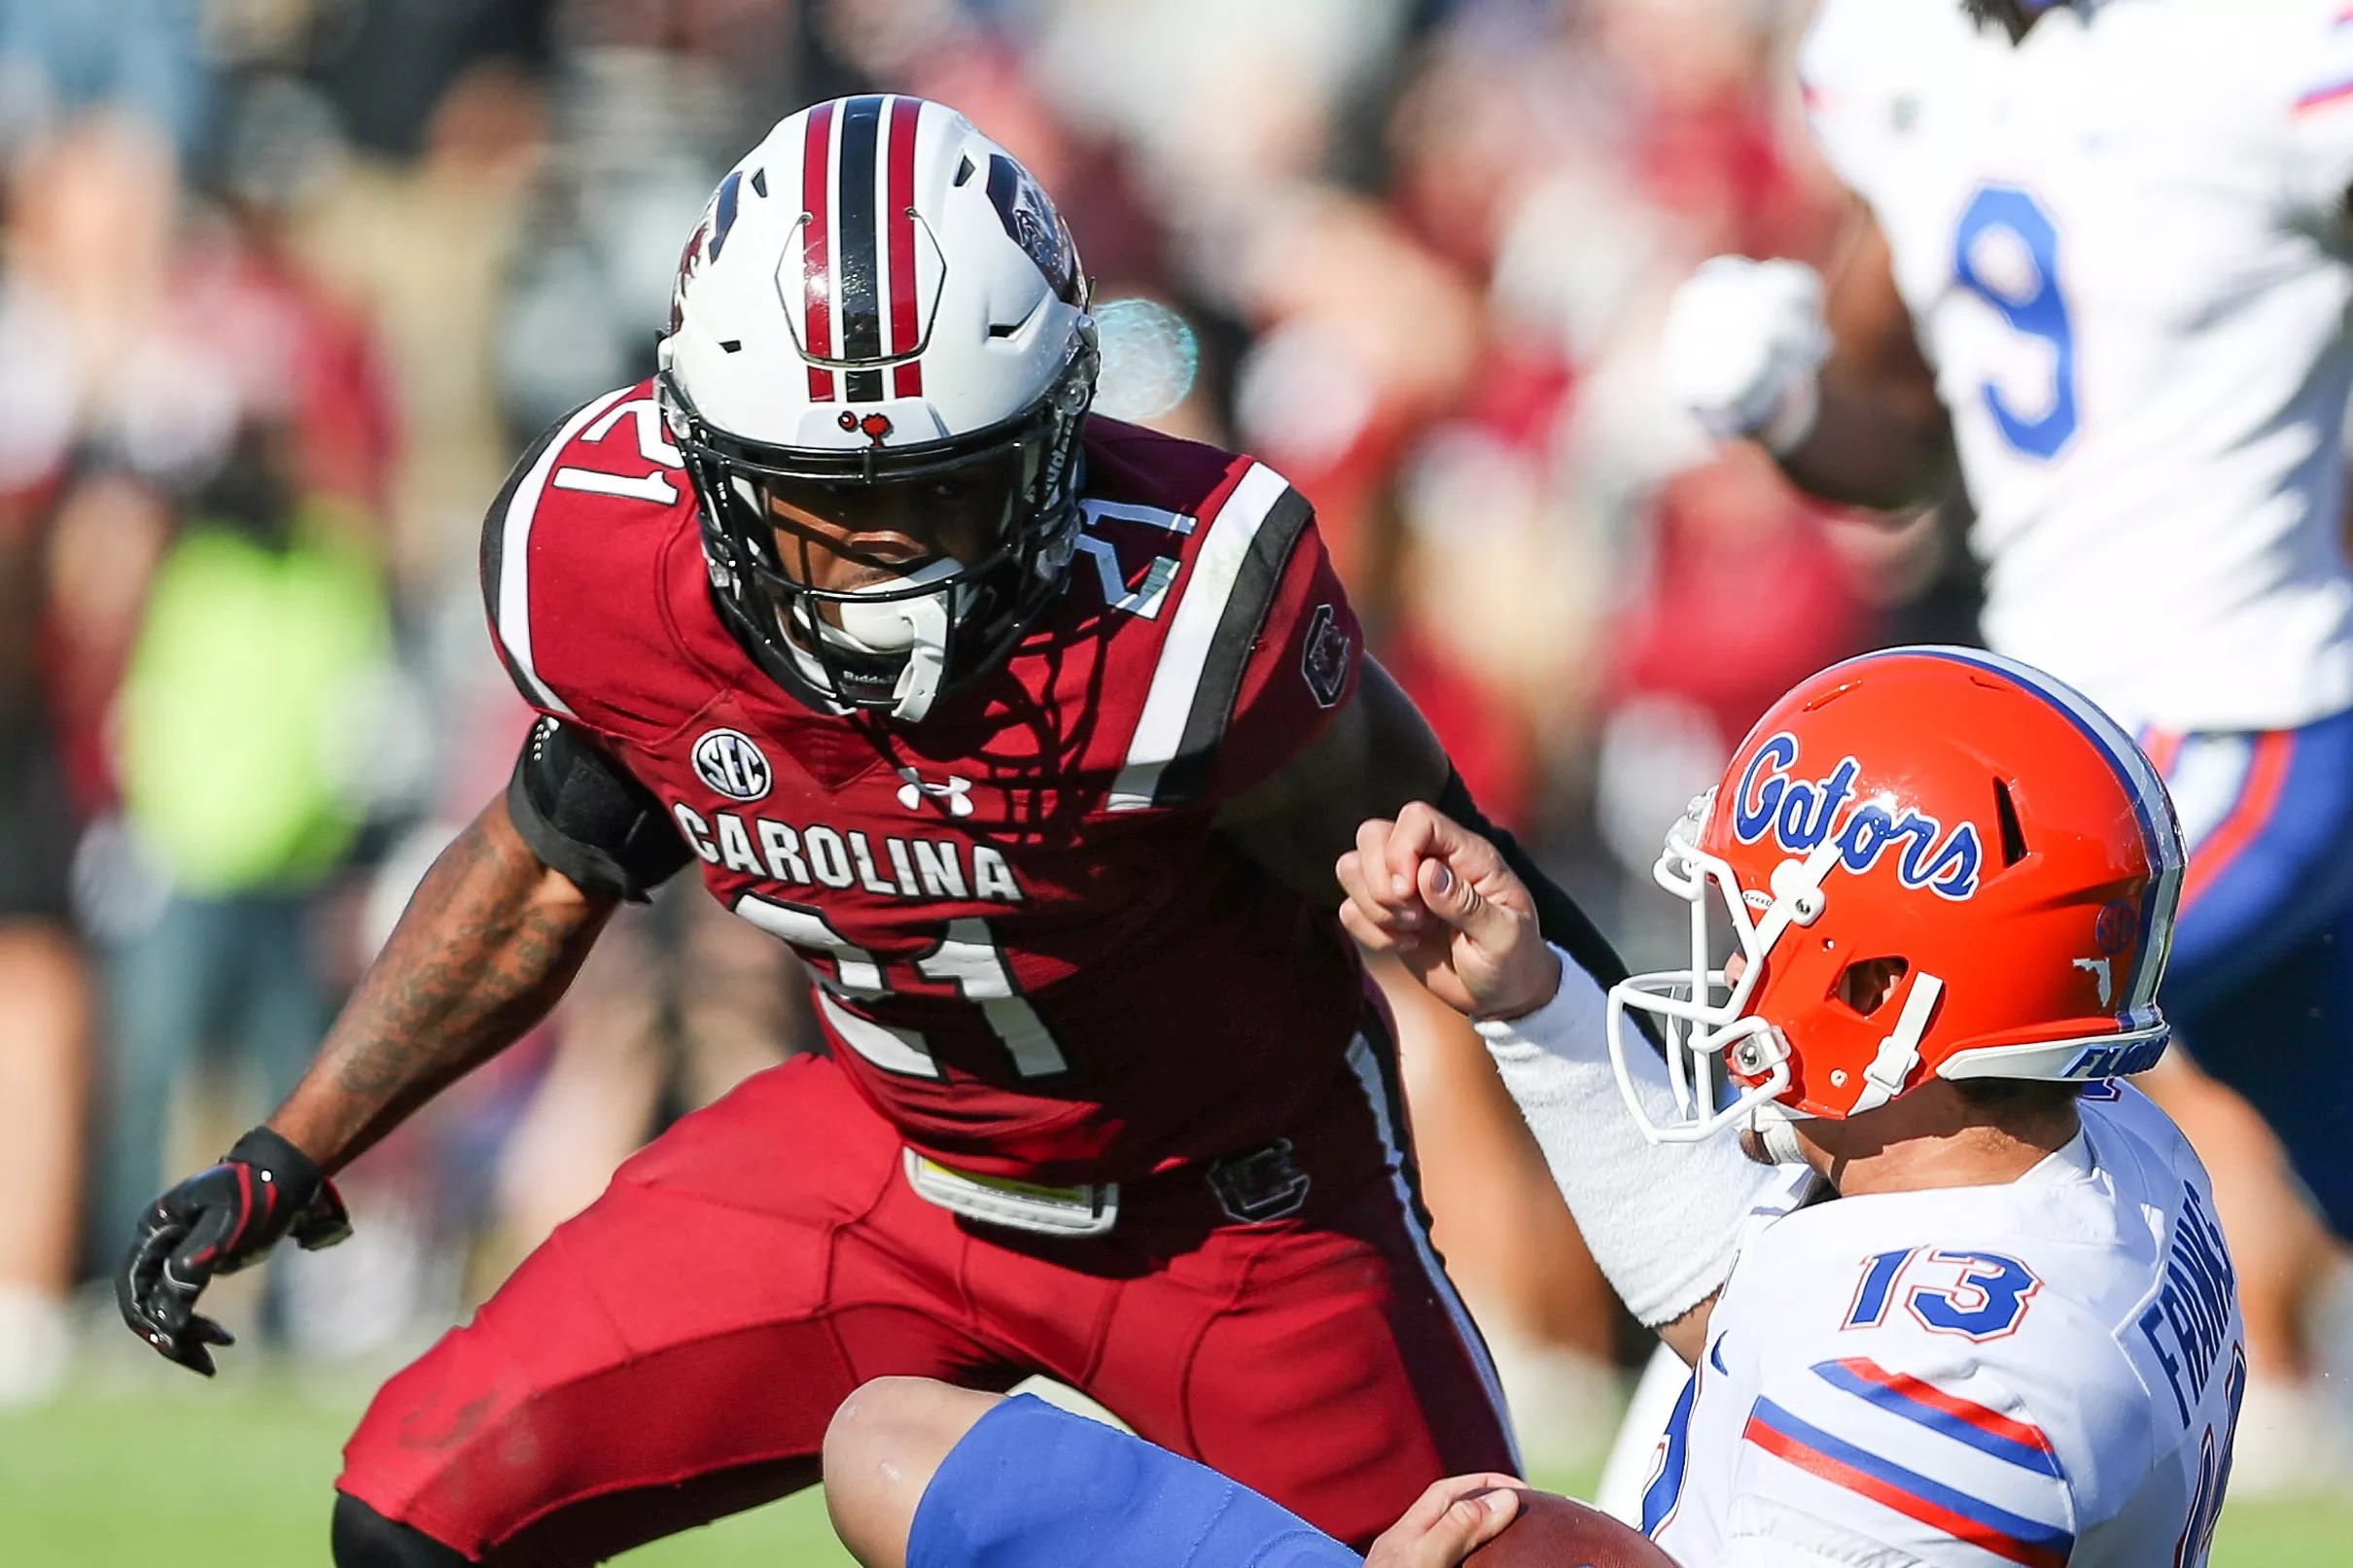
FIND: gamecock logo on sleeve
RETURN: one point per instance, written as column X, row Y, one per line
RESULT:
column 1325, row 659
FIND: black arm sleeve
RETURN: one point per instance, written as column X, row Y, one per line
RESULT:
column 586, row 815
column 1564, row 924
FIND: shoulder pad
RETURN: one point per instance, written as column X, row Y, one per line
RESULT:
column 1253, row 573
column 572, row 553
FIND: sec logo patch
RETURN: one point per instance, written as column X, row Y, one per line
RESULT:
column 730, row 763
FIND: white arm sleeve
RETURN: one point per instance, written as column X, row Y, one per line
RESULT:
column 1662, row 1220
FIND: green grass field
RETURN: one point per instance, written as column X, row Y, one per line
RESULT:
column 236, row 1475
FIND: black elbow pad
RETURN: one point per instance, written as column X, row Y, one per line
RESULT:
column 586, row 815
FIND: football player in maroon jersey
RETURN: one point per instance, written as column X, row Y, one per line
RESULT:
column 1036, row 735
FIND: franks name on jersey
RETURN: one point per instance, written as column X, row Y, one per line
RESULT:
column 2193, row 1317
column 1033, row 952
column 935, row 868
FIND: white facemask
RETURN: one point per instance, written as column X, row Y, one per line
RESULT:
column 1699, row 1029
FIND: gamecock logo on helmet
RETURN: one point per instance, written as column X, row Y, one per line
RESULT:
column 1032, row 223
column 719, row 217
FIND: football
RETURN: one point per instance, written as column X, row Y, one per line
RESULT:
column 1554, row 1532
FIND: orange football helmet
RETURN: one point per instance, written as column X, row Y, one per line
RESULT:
column 1981, row 830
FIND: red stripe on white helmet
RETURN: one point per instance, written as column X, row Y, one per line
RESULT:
column 817, row 262
column 899, row 227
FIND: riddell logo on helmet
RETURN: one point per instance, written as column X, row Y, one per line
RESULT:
column 1801, row 812
column 874, row 426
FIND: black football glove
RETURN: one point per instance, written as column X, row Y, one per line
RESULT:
column 215, row 1222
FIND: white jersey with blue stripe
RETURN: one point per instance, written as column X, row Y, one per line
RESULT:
column 2124, row 244
column 2045, row 1373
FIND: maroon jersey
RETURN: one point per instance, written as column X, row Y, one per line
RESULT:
column 1031, row 952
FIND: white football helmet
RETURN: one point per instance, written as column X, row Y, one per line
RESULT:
column 881, row 315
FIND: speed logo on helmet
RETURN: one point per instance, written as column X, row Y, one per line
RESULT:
column 1801, row 812
column 729, row 762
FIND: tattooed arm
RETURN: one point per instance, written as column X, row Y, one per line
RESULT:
column 490, row 940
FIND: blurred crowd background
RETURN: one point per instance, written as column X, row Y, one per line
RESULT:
column 286, row 284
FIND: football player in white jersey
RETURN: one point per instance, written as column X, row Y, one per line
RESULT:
column 2103, row 260
column 1980, row 1310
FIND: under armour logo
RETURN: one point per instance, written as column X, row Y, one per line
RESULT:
column 956, row 794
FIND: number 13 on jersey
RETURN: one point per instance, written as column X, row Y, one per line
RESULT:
column 1977, row 1294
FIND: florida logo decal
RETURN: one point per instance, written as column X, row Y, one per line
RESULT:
column 1801, row 812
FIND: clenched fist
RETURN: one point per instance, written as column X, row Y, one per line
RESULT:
column 1440, row 898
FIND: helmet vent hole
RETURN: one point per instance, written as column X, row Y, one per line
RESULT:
column 759, row 181
column 965, row 171
column 1867, row 984
column 2014, row 836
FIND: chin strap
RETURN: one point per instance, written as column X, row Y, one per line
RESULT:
column 1777, row 1130
column 1900, row 1051
column 920, row 682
